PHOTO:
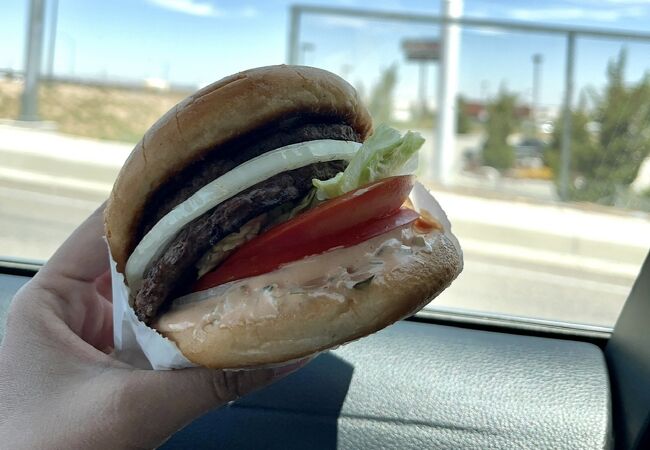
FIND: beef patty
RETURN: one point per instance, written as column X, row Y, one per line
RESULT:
column 189, row 180
column 176, row 270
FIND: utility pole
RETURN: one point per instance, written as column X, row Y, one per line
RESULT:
column 565, row 143
column 33, row 56
column 52, row 39
column 423, row 88
column 304, row 48
column 294, row 32
column 537, row 80
column 445, row 149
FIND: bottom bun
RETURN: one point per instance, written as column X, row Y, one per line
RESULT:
column 307, row 323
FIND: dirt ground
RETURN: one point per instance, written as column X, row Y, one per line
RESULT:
column 112, row 113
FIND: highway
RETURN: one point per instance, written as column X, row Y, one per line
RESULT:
column 35, row 220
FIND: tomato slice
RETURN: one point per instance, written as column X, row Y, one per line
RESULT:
column 341, row 222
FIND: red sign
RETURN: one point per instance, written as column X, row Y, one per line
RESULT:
column 421, row 49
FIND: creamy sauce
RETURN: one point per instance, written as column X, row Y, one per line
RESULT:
column 328, row 275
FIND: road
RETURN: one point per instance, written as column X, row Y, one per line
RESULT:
column 500, row 284
column 34, row 222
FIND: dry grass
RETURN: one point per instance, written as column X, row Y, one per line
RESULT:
column 97, row 112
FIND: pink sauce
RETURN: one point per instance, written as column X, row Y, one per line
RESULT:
column 330, row 275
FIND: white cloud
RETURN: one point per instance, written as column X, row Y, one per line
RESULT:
column 574, row 13
column 204, row 9
column 191, row 7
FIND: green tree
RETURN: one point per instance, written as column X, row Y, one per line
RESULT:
column 381, row 97
column 463, row 121
column 605, row 164
column 624, row 115
column 501, row 123
column 584, row 147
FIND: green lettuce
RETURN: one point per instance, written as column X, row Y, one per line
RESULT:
column 384, row 154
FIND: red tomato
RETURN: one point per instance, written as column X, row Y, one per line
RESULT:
column 341, row 222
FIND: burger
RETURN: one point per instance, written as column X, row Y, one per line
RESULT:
column 262, row 219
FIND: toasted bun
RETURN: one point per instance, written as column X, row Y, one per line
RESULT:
column 218, row 113
column 307, row 324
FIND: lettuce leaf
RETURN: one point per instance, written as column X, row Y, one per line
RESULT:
column 384, row 154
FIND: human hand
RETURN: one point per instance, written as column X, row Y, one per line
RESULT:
column 61, row 388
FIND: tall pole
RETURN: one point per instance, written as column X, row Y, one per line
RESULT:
column 294, row 32
column 52, row 39
column 304, row 48
column 423, row 87
column 565, row 149
column 537, row 79
column 33, row 56
column 445, row 149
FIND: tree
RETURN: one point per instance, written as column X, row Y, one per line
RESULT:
column 605, row 163
column 463, row 122
column 584, row 147
column 501, row 123
column 381, row 98
column 624, row 116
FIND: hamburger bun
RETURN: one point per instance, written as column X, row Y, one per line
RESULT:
column 307, row 323
column 206, row 124
column 223, row 111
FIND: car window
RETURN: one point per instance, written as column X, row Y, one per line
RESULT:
column 536, row 119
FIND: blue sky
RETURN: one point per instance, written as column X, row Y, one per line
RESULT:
column 198, row 41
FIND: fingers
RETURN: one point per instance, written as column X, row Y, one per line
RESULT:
column 74, row 285
column 84, row 255
column 104, row 287
column 174, row 398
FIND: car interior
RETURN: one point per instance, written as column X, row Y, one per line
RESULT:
column 447, row 382
column 543, row 341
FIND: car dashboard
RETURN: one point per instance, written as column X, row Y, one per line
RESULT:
column 420, row 385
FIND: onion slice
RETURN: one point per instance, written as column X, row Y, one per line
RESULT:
column 226, row 186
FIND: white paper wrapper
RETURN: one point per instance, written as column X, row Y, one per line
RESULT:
column 135, row 343
column 141, row 346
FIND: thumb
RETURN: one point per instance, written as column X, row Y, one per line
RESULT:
column 172, row 399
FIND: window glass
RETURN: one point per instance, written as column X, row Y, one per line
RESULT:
column 549, row 194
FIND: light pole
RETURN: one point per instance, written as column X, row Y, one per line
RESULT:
column 33, row 56
column 537, row 80
column 445, row 150
column 52, row 39
column 304, row 48
column 423, row 88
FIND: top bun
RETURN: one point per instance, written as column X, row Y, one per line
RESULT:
column 223, row 111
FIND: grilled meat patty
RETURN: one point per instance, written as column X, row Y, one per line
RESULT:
column 175, row 269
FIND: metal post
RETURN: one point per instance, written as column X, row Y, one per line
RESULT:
column 34, row 50
column 52, row 39
column 445, row 149
column 565, row 152
column 537, row 78
column 304, row 48
column 423, row 87
column 294, row 32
